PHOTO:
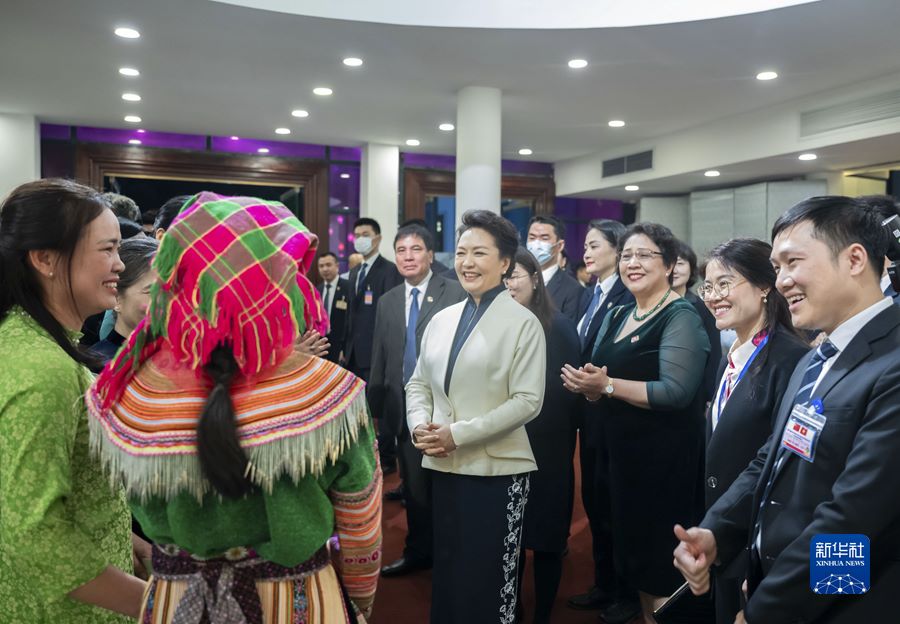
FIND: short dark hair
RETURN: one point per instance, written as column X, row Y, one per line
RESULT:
column 326, row 254
column 368, row 221
column 123, row 206
column 687, row 253
column 611, row 230
column 414, row 229
column 541, row 305
column 886, row 205
column 661, row 236
column 168, row 211
column 840, row 222
column 129, row 229
column 504, row 233
column 559, row 227
column 136, row 254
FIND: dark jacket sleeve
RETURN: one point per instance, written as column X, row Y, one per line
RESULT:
column 680, row 363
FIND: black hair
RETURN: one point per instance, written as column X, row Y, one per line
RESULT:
column 368, row 221
column 123, row 206
column 840, row 222
column 137, row 255
column 580, row 265
column 661, row 236
column 44, row 214
column 541, row 305
column 129, row 229
column 611, row 230
column 686, row 253
column 326, row 254
column 415, row 221
column 168, row 211
column 559, row 227
column 886, row 205
column 414, row 229
column 504, row 233
column 222, row 459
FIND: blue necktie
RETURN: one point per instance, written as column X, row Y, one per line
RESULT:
column 825, row 351
column 409, row 351
column 589, row 315
column 360, row 278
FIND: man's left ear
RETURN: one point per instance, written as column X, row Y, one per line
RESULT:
column 858, row 258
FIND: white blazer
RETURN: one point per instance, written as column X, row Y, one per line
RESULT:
column 497, row 386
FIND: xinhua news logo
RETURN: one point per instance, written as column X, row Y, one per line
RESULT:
column 839, row 564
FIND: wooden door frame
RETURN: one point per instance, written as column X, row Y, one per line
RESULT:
column 419, row 183
column 95, row 161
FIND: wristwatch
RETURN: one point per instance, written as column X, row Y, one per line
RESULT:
column 609, row 389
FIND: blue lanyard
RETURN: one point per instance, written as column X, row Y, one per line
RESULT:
column 753, row 355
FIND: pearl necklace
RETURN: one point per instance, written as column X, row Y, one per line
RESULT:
column 640, row 318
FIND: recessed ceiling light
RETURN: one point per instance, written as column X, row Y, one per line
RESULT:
column 712, row 173
column 322, row 91
column 616, row 123
column 132, row 119
column 766, row 75
column 299, row 113
column 263, row 150
column 127, row 33
column 141, row 131
column 413, row 142
column 129, row 71
column 526, row 151
column 809, row 156
column 345, row 176
column 447, row 127
column 234, row 138
column 282, row 130
column 632, row 187
column 578, row 64
column 131, row 97
column 134, row 141
column 346, row 207
column 352, row 61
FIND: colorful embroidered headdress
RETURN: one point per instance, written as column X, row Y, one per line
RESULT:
column 231, row 270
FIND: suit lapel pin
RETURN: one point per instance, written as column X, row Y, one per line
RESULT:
column 429, row 299
column 609, row 305
column 635, row 338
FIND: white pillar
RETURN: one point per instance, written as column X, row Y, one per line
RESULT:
column 478, row 148
column 379, row 193
column 19, row 151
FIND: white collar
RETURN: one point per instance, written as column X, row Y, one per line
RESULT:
column 549, row 273
column 334, row 282
column 422, row 286
column 846, row 331
column 885, row 282
column 370, row 261
column 607, row 284
column 738, row 355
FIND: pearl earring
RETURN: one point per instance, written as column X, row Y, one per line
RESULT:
column 50, row 275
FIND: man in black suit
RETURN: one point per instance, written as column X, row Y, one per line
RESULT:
column 831, row 464
column 368, row 282
column 546, row 240
column 609, row 594
column 335, row 297
column 402, row 315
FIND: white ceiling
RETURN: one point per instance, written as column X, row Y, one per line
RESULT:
column 214, row 68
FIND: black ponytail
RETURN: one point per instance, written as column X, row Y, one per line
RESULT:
column 222, row 459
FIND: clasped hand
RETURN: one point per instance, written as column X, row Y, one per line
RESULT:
column 587, row 380
column 434, row 440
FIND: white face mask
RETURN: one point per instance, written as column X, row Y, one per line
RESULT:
column 541, row 250
column 362, row 244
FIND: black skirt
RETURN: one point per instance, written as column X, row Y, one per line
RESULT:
column 477, row 543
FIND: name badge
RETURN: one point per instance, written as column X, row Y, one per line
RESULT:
column 340, row 305
column 368, row 298
column 801, row 433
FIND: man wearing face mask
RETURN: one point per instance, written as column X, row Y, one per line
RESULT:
column 368, row 282
column 546, row 241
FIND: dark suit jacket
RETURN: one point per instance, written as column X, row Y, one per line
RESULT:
column 565, row 292
column 618, row 295
column 850, row 487
column 385, row 389
column 381, row 277
column 748, row 420
column 340, row 306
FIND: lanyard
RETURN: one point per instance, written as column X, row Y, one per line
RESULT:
column 759, row 347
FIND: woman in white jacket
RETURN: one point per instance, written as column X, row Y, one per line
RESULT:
column 479, row 378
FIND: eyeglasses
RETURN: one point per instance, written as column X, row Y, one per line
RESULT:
column 721, row 289
column 642, row 255
column 514, row 277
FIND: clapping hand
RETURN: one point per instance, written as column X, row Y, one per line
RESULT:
column 694, row 555
column 587, row 380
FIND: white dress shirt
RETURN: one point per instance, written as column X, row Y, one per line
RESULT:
column 549, row 273
column 422, row 286
column 737, row 359
column 328, row 295
column 606, row 286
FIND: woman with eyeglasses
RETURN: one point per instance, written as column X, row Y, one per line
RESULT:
column 647, row 368
column 548, row 513
column 740, row 292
